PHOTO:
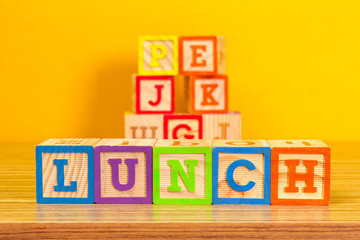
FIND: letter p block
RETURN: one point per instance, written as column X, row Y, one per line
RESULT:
column 300, row 172
column 182, row 172
column 64, row 171
column 158, row 55
column 241, row 172
column 123, row 171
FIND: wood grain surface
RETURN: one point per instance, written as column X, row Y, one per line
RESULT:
column 21, row 217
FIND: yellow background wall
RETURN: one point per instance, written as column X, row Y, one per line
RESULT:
column 293, row 66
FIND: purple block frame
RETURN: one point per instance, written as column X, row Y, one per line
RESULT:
column 149, row 175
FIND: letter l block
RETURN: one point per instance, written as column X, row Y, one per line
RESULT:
column 182, row 172
column 64, row 171
column 241, row 172
column 123, row 171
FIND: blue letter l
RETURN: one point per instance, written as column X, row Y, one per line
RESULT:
column 60, row 187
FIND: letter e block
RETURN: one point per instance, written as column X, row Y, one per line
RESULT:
column 202, row 55
column 208, row 94
column 123, row 170
column 300, row 172
column 183, row 126
column 154, row 94
column 182, row 172
column 64, row 171
column 241, row 172
column 158, row 55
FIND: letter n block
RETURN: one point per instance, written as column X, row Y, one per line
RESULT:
column 158, row 55
column 123, row 170
column 182, row 172
column 183, row 126
column 154, row 94
column 202, row 55
column 241, row 172
column 300, row 172
column 208, row 94
column 64, row 171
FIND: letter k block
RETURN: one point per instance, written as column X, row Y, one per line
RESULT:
column 182, row 172
column 154, row 94
column 300, row 172
column 123, row 171
column 207, row 94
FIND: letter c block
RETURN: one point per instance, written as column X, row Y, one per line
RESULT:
column 123, row 171
column 241, row 172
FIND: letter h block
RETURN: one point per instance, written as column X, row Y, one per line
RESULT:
column 123, row 171
column 64, row 171
column 158, row 55
column 241, row 172
column 202, row 55
column 154, row 94
column 300, row 172
column 182, row 172
column 207, row 94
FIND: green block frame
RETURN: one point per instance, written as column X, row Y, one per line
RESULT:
column 183, row 149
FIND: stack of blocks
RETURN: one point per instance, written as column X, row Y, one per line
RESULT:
column 183, row 171
column 201, row 60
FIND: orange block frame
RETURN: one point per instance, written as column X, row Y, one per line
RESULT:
column 275, row 151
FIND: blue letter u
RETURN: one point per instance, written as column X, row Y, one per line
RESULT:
column 230, row 175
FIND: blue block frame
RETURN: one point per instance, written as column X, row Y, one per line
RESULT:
column 267, row 170
column 64, row 149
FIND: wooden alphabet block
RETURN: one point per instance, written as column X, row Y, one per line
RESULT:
column 154, row 94
column 123, row 170
column 158, row 55
column 183, row 126
column 222, row 125
column 202, row 55
column 149, row 126
column 241, row 172
column 300, row 172
column 182, row 172
column 208, row 94
column 64, row 171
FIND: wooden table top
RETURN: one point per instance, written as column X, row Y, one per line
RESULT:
column 19, row 211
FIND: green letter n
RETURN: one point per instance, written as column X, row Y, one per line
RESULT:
column 177, row 169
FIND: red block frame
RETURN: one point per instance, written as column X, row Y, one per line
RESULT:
column 138, row 93
column 181, row 56
column 187, row 116
column 275, row 169
column 192, row 94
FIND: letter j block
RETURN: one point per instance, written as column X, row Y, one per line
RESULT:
column 182, row 172
column 300, row 172
column 158, row 55
column 241, row 172
column 123, row 170
column 154, row 94
column 64, row 171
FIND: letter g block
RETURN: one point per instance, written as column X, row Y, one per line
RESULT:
column 123, row 171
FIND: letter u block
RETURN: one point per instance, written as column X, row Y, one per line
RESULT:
column 202, row 55
column 300, row 172
column 182, row 172
column 123, row 170
column 154, row 94
column 207, row 94
column 158, row 55
column 241, row 172
column 64, row 171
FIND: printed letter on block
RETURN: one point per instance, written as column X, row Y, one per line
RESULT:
column 144, row 126
column 183, row 126
column 123, row 171
column 64, row 171
column 154, row 94
column 182, row 172
column 158, row 55
column 202, row 55
column 300, row 172
column 241, row 172
column 222, row 125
